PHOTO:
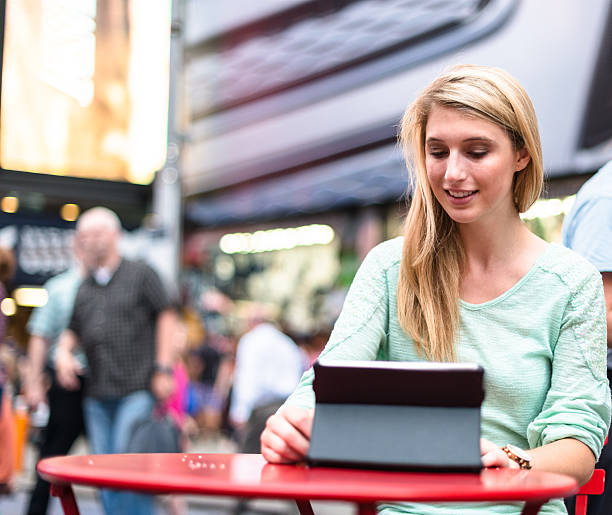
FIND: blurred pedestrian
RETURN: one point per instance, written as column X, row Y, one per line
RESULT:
column 65, row 423
column 587, row 229
column 123, row 320
column 174, row 407
column 268, row 367
column 7, row 438
column 203, row 401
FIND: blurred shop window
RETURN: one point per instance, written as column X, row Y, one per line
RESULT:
column 85, row 88
column 45, row 250
column 545, row 217
column 295, row 279
column 42, row 248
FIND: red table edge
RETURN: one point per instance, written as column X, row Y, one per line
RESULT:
column 60, row 477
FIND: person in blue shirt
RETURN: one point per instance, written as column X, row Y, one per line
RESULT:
column 65, row 423
column 587, row 229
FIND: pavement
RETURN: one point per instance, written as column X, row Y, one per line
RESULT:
column 87, row 500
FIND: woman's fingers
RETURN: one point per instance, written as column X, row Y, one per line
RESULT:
column 486, row 446
column 301, row 419
column 494, row 459
column 492, row 456
column 276, row 447
column 286, row 437
column 272, row 456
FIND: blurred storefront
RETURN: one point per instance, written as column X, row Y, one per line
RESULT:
column 303, row 265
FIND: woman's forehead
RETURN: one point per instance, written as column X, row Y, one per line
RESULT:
column 444, row 123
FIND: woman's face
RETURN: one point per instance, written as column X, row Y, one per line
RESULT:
column 470, row 166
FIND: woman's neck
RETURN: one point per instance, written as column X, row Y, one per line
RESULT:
column 496, row 259
column 486, row 245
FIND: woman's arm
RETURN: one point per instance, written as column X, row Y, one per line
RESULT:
column 568, row 433
column 566, row 456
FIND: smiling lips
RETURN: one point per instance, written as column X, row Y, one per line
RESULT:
column 460, row 194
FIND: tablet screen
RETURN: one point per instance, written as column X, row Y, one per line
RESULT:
column 399, row 383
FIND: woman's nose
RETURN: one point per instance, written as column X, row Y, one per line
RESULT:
column 455, row 168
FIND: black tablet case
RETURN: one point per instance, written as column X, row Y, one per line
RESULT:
column 406, row 418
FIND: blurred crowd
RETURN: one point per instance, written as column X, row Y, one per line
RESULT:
column 214, row 373
column 229, row 363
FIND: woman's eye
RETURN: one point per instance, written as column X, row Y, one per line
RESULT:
column 437, row 153
column 477, row 154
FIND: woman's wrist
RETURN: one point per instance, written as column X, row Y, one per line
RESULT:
column 517, row 457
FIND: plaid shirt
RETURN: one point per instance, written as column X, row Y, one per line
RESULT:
column 116, row 326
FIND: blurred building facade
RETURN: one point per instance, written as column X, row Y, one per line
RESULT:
column 292, row 113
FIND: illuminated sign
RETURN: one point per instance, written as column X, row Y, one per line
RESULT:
column 85, row 87
column 276, row 239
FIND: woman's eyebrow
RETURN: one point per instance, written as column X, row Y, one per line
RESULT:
column 479, row 138
column 483, row 139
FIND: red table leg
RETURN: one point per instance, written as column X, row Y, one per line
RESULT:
column 581, row 504
column 366, row 509
column 532, row 508
column 304, row 507
column 66, row 496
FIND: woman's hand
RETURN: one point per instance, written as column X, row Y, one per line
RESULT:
column 492, row 456
column 286, row 437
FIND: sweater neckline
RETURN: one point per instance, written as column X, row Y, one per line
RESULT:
column 516, row 286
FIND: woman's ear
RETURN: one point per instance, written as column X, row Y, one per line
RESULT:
column 522, row 159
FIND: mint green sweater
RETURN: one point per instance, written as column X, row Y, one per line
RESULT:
column 542, row 344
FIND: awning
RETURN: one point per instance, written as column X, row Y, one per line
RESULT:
column 374, row 177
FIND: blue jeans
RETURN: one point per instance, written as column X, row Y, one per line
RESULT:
column 109, row 424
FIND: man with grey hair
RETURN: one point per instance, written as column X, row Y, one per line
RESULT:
column 123, row 320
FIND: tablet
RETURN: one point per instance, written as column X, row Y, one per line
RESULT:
column 407, row 415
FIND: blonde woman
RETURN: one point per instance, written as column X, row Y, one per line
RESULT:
column 469, row 282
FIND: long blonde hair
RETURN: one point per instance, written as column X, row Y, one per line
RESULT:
column 433, row 255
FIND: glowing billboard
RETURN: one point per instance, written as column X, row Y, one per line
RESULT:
column 85, row 88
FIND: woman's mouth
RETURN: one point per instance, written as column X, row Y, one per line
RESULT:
column 460, row 194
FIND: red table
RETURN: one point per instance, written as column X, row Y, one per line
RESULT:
column 248, row 475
